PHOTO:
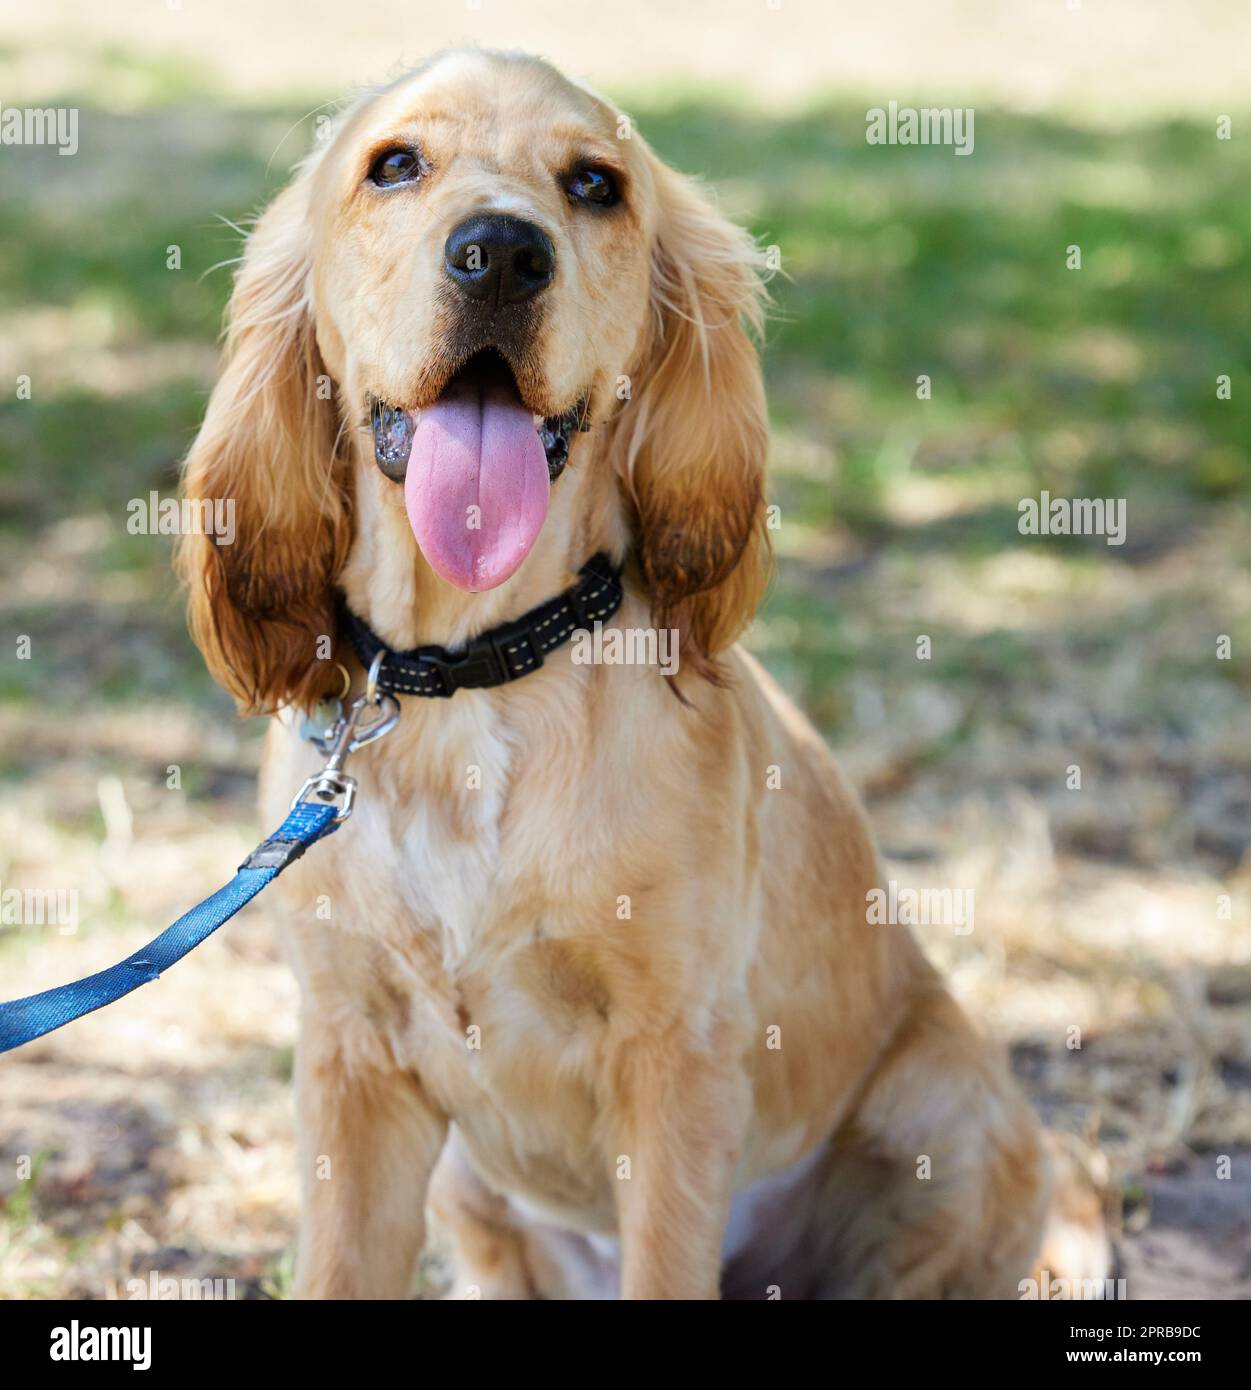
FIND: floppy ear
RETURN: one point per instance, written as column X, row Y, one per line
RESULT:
column 258, row 606
column 691, row 444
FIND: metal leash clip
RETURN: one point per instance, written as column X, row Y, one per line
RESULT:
column 346, row 736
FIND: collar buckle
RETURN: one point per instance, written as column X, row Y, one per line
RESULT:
column 480, row 664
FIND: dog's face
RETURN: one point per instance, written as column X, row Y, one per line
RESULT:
column 483, row 283
column 481, row 266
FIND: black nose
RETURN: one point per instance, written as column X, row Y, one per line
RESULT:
column 502, row 260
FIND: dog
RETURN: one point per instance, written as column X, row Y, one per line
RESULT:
column 587, row 981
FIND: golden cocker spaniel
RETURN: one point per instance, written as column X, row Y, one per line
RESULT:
column 587, row 978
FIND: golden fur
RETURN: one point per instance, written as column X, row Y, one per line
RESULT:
column 580, row 974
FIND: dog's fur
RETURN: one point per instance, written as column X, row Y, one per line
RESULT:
column 588, row 972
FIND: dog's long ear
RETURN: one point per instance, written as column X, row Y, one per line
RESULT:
column 690, row 446
column 267, row 448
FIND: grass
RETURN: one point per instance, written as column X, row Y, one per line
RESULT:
column 899, row 521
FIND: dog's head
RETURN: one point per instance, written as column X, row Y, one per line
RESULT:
column 485, row 306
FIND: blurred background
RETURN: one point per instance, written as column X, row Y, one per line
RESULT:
column 159, row 1132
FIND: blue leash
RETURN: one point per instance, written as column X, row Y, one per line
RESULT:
column 22, row 1020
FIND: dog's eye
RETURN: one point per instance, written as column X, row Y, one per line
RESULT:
column 590, row 185
column 395, row 166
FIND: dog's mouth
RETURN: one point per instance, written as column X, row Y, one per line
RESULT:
column 476, row 466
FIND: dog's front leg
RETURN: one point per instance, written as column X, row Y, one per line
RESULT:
column 679, row 1117
column 369, row 1140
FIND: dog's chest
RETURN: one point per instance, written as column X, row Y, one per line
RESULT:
column 462, row 946
column 448, row 869
column 493, row 996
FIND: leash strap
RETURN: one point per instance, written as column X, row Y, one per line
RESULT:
column 325, row 800
column 499, row 655
column 22, row 1020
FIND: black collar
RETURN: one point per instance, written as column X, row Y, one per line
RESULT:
column 499, row 655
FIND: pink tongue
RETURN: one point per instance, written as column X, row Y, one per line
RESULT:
column 476, row 487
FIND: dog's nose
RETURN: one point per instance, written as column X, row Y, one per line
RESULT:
column 502, row 260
